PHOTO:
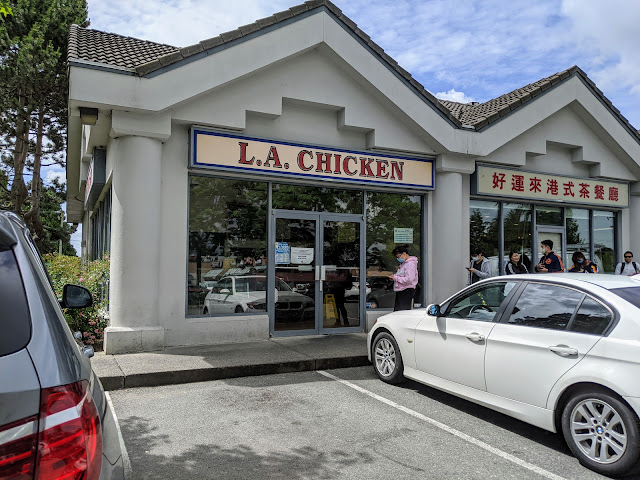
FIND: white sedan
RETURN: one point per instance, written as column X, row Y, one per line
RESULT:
column 559, row 351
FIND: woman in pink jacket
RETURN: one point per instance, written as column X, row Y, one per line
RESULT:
column 405, row 279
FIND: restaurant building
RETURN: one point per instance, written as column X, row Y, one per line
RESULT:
column 255, row 184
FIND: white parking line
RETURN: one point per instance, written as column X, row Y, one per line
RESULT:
column 126, row 462
column 452, row 431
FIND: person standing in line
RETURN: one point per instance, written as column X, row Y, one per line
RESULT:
column 550, row 261
column 581, row 264
column 479, row 268
column 405, row 279
column 628, row 267
column 514, row 265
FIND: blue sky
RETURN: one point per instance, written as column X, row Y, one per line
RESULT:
column 466, row 50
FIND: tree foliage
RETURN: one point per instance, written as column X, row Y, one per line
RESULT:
column 33, row 98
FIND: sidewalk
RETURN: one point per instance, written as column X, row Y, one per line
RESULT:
column 214, row 362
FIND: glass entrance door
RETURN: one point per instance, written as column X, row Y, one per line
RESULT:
column 294, row 296
column 340, row 274
column 316, row 266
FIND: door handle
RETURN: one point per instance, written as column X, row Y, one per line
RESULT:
column 475, row 337
column 564, row 351
column 319, row 274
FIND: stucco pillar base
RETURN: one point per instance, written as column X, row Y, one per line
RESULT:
column 133, row 339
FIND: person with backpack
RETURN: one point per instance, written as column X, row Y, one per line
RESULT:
column 628, row 267
column 581, row 264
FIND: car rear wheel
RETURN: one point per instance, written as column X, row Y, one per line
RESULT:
column 387, row 360
column 239, row 309
column 602, row 432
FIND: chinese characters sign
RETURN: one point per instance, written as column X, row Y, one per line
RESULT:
column 257, row 156
column 536, row 186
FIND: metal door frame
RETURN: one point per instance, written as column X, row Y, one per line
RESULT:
column 551, row 229
column 319, row 218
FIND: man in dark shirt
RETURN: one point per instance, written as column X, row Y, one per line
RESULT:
column 550, row 262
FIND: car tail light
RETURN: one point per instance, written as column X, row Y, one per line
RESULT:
column 18, row 441
column 67, row 445
column 70, row 437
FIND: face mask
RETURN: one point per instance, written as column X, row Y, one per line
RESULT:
column 581, row 260
column 400, row 259
column 475, row 259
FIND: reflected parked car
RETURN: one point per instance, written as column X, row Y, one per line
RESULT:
column 245, row 294
column 382, row 294
column 558, row 351
column 55, row 421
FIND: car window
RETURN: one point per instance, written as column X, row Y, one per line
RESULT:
column 15, row 323
column 242, row 285
column 630, row 294
column 545, row 306
column 592, row 317
column 481, row 304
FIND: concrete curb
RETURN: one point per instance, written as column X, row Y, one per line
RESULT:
column 170, row 377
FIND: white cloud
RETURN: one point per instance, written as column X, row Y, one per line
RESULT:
column 454, row 96
column 55, row 174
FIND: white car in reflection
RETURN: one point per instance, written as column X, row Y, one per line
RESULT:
column 560, row 351
column 248, row 293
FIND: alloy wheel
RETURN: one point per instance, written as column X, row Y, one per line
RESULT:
column 385, row 357
column 598, row 430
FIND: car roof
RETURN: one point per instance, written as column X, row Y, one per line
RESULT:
column 10, row 225
column 602, row 280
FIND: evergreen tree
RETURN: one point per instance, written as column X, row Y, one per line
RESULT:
column 33, row 96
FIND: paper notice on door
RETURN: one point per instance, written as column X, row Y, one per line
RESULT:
column 301, row 256
column 282, row 253
column 403, row 235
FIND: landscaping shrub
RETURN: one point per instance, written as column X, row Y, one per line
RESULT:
column 94, row 275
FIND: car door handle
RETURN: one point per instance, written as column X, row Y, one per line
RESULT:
column 564, row 351
column 475, row 337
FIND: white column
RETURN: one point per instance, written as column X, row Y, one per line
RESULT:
column 135, row 247
column 450, row 245
column 634, row 225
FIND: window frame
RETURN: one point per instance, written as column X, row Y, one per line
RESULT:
column 615, row 316
column 445, row 308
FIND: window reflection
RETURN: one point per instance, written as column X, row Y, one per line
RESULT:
column 483, row 230
column 604, row 240
column 227, row 246
column 392, row 220
column 578, row 238
column 316, row 199
column 517, row 232
column 549, row 215
column 545, row 306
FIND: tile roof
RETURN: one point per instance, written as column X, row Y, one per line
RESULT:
column 480, row 115
column 142, row 58
column 113, row 50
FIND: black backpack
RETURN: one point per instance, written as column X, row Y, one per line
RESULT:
column 621, row 265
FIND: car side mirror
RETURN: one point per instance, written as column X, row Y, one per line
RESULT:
column 76, row 296
column 433, row 310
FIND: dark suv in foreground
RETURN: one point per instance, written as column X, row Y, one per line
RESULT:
column 55, row 421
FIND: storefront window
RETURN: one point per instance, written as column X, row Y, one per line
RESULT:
column 316, row 199
column 391, row 220
column 483, row 229
column 227, row 246
column 549, row 215
column 604, row 240
column 517, row 232
column 101, row 228
column 578, row 238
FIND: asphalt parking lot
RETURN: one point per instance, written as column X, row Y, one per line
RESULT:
column 334, row 424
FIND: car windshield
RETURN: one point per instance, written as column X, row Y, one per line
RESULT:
column 630, row 294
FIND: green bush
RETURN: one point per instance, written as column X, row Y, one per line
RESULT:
column 94, row 275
